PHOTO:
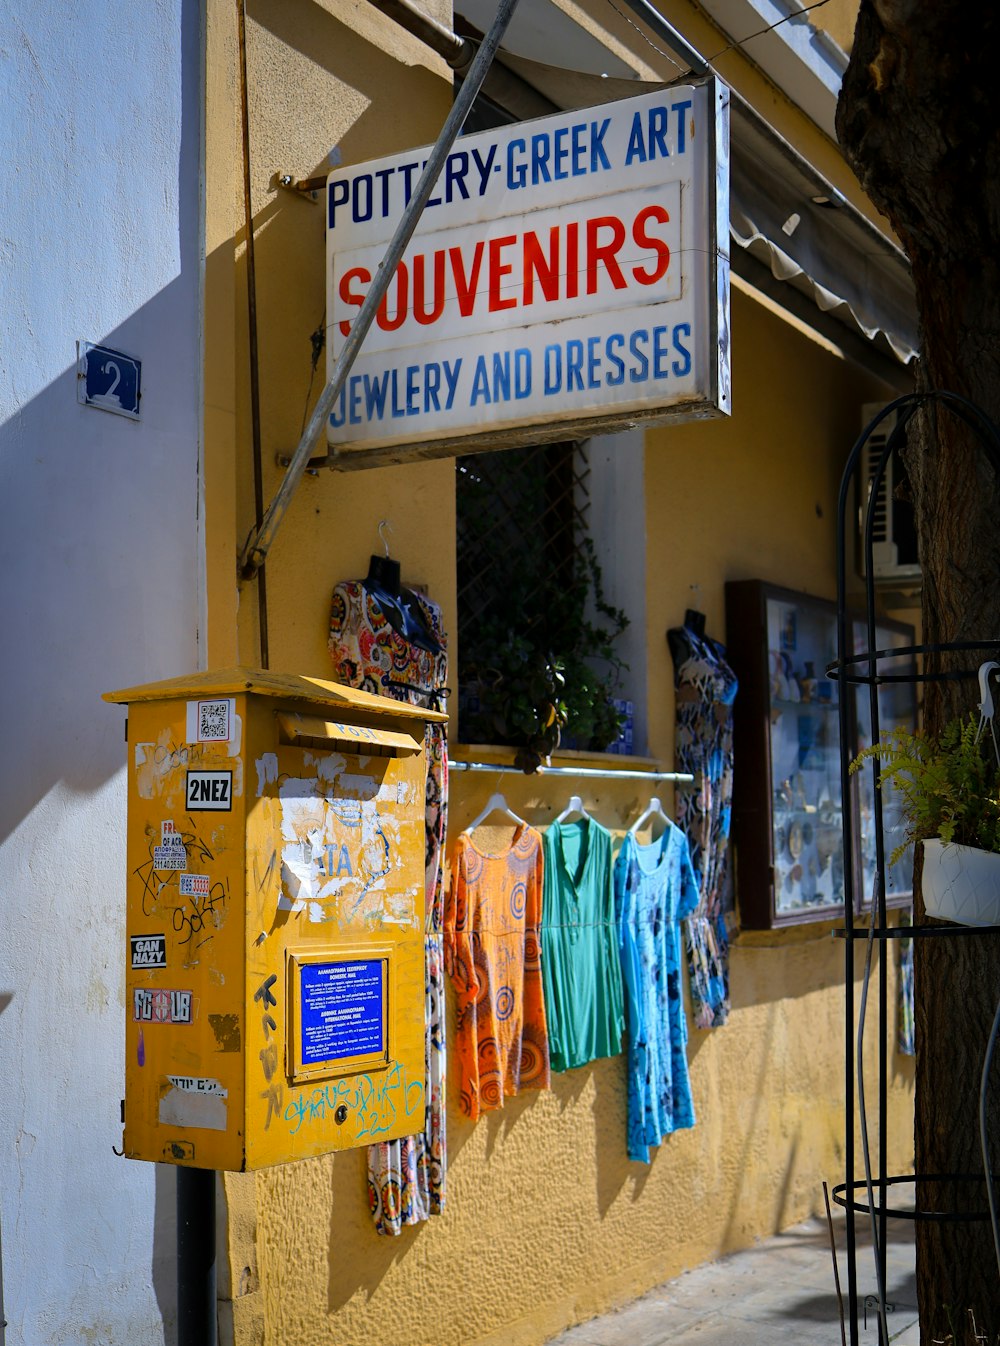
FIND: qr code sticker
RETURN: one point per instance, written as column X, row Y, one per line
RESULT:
column 213, row 722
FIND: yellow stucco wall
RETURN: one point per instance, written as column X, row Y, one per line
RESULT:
column 837, row 17
column 547, row 1222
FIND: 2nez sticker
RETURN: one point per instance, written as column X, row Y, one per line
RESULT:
column 208, row 790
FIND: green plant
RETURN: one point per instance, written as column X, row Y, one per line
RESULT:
column 949, row 787
column 536, row 659
column 521, row 701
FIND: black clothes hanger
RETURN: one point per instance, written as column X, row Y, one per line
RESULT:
column 400, row 605
column 695, row 621
column 682, row 639
column 690, row 638
column 383, row 573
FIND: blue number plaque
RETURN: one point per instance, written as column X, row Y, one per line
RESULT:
column 109, row 379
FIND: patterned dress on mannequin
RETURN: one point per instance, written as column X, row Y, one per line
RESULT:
column 406, row 1178
column 705, row 690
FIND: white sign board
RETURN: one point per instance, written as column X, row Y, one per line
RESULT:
column 567, row 272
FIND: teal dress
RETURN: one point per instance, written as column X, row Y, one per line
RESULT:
column 655, row 888
column 581, row 969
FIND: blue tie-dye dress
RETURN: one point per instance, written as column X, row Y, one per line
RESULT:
column 655, row 888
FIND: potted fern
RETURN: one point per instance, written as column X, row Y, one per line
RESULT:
column 949, row 791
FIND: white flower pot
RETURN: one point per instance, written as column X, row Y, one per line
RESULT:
column 961, row 883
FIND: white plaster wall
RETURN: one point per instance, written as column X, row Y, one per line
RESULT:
column 616, row 489
column 99, row 559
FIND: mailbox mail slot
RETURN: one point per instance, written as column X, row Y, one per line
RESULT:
column 275, row 914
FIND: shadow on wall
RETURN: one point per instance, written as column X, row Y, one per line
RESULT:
column 164, row 1259
column 351, row 1225
column 99, row 553
column 109, row 542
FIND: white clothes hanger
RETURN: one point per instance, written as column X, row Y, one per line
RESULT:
column 987, row 710
column 575, row 805
column 495, row 804
column 654, row 809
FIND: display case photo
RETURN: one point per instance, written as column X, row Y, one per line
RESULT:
column 787, row 825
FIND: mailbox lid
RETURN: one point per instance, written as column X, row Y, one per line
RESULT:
column 306, row 730
column 282, row 686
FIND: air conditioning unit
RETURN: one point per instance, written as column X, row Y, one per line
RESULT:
column 894, row 533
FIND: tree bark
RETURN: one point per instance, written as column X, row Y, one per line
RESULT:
column 919, row 122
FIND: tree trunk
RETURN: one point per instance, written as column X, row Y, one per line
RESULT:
column 919, row 122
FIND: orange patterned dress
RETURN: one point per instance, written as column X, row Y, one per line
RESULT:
column 492, row 954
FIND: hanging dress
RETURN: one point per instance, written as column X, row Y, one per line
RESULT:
column 655, row 889
column 492, row 954
column 705, row 690
column 406, row 1178
column 581, row 969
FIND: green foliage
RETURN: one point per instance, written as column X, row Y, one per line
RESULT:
column 948, row 786
column 532, row 657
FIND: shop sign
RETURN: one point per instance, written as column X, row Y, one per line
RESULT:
column 570, row 271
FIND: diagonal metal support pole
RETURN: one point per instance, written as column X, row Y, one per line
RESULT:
column 259, row 542
column 651, row 16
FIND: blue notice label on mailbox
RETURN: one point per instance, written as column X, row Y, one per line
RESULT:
column 342, row 1010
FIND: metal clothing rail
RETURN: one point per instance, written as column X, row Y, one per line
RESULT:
column 589, row 772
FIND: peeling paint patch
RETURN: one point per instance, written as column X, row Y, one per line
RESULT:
column 226, row 1030
column 191, row 1101
column 267, row 771
column 330, row 767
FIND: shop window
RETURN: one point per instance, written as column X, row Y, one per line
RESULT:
column 544, row 579
column 539, row 664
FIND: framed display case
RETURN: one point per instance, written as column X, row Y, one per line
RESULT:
column 787, row 824
column 897, row 707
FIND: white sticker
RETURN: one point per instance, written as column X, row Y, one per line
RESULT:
column 157, row 1006
column 211, row 721
column 171, row 853
column 148, row 950
column 195, row 1084
column 181, row 1106
column 169, row 857
column 209, row 790
column 194, row 885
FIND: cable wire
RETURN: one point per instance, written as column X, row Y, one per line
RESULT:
column 761, row 32
column 733, row 46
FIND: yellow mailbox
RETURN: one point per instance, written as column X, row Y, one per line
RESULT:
column 275, row 962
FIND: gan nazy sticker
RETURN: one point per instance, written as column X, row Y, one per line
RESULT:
column 148, row 950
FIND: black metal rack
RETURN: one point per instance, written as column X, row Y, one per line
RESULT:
column 867, row 669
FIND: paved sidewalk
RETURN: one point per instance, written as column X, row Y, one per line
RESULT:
column 781, row 1291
